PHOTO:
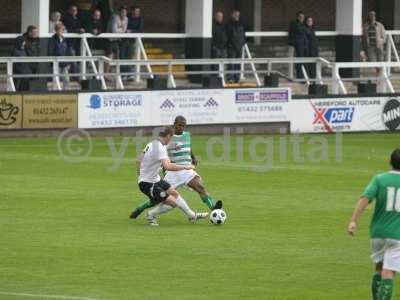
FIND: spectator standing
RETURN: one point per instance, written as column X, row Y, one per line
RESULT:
column 21, row 84
column 298, row 39
column 135, row 25
column 373, row 38
column 120, row 47
column 59, row 46
column 55, row 18
column 236, row 40
column 312, row 45
column 32, row 46
column 73, row 25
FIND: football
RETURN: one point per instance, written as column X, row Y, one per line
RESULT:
column 218, row 217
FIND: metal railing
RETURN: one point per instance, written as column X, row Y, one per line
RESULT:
column 97, row 63
column 383, row 79
column 141, row 51
column 217, row 66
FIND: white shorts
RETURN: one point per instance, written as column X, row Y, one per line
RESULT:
column 386, row 251
column 179, row 178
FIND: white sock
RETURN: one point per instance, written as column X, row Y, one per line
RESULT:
column 185, row 208
column 159, row 209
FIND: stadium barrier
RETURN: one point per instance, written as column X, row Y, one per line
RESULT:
column 223, row 107
column 38, row 111
column 240, row 106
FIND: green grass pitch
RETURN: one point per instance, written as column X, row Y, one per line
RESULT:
column 64, row 227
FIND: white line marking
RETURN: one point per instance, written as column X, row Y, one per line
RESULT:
column 46, row 296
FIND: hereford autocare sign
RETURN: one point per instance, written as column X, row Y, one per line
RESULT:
column 50, row 111
column 345, row 114
column 10, row 111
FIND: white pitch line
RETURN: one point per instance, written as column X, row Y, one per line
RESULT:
column 46, row 296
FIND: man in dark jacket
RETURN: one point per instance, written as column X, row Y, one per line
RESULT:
column 21, row 84
column 59, row 46
column 73, row 25
column 236, row 40
column 298, row 39
column 94, row 25
column 135, row 21
column 135, row 25
column 219, row 37
column 32, row 46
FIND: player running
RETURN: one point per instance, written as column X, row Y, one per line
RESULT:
column 180, row 152
column 150, row 162
column 385, row 227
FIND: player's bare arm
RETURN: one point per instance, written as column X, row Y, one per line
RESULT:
column 358, row 211
column 195, row 162
column 138, row 163
column 167, row 165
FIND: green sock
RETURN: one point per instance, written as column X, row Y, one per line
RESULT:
column 209, row 201
column 144, row 206
column 376, row 281
column 385, row 289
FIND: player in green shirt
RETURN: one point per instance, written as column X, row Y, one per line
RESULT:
column 385, row 227
column 180, row 152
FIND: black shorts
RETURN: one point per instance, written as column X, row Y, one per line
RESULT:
column 157, row 192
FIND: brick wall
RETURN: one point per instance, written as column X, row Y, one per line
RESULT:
column 160, row 15
column 10, row 20
column 168, row 15
column 278, row 14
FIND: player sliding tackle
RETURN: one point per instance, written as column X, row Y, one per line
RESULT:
column 150, row 162
column 180, row 152
column 385, row 227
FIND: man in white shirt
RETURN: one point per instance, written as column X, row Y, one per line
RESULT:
column 154, row 157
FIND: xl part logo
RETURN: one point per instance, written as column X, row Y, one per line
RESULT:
column 391, row 114
column 333, row 118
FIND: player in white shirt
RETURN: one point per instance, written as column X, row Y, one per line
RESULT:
column 153, row 158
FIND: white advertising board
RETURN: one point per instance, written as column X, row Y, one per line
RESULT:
column 345, row 114
column 199, row 106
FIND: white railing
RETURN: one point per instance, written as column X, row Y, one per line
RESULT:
column 141, row 52
column 97, row 63
column 100, row 61
column 56, row 73
column 383, row 78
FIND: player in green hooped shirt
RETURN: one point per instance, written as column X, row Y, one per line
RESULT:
column 385, row 227
column 180, row 152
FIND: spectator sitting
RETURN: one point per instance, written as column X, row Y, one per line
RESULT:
column 298, row 39
column 236, row 40
column 21, row 84
column 135, row 25
column 58, row 46
column 71, row 20
column 55, row 19
column 94, row 25
column 373, row 39
column 32, row 46
column 73, row 25
column 312, row 45
column 135, row 21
